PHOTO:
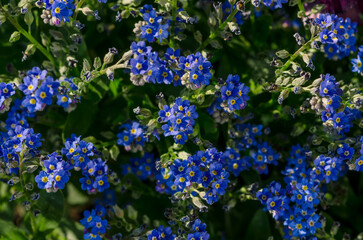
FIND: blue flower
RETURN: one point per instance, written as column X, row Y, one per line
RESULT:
column 62, row 10
column 162, row 32
column 32, row 104
column 172, row 55
column 194, row 174
column 151, row 18
column 138, row 65
column 140, row 48
column 43, row 180
column 199, row 226
column 359, row 164
column 326, row 36
column 148, row 32
column 37, row 73
column 101, row 183
column 219, row 186
column 146, row 8
column 357, row 65
column 29, row 85
column 63, row 100
column 331, row 50
column 6, row 90
column 333, row 103
column 86, row 183
column 165, row 75
column 211, row 197
column 99, row 226
column 325, row 20
column 43, row 95
column 345, row 152
column 88, row 220
column 329, row 87
column 60, row 179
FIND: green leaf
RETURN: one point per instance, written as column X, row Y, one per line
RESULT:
column 56, row 35
column 14, row 37
column 80, row 120
column 75, row 196
column 259, row 227
column 29, row 18
column 131, row 212
column 86, row 66
column 283, row 54
column 9, row 231
column 51, row 206
column 97, row 63
column 114, row 152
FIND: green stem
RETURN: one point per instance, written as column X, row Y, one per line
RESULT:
column 79, row 5
column 297, row 53
column 215, row 33
column 174, row 9
column 301, row 6
column 26, row 194
column 27, row 35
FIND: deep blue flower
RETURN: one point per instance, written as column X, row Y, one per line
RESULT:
column 101, row 183
column 99, row 226
column 326, row 36
column 345, row 152
column 63, row 100
column 148, row 32
column 359, row 164
column 333, row 103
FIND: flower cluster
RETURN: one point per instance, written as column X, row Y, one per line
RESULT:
column 233, row 95
column 338, row 35
column 329, row 168
column 141, row 167
column 192, row 71
column 334, row 116
column 16, row 143
column 6, row 91
column 82, row 156
column 199, row 229
column 55, row 175
column 132, row 136
column 17, row 116
column 153, row 27
column 261, row 153
column 40, row 89
column 296, row 205
column 207, row 169
column 161, row 233
column 95, row 223
column 179, row 119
